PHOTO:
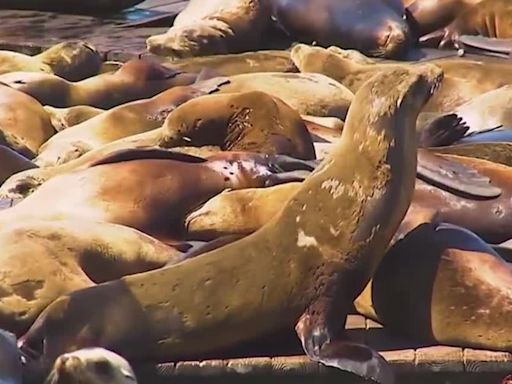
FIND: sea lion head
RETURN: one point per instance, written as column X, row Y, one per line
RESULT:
column 203, row 38
column 391, row 40
column 61, row 152
column 73, row 60
column 91, row 366
column 10, row 359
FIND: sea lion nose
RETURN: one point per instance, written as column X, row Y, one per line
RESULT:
column 66, row 362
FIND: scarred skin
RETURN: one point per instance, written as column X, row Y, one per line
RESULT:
column 294, row 262
column 136, row 79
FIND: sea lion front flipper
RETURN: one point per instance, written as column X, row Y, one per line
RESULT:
column 288, row 163
column 487, row 44
column 146, row 153
column 211, row 85
column 443, row 130
column 322, row 335
column 451, row 175
column 287, row 177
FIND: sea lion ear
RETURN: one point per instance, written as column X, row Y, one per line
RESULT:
column 455, row 177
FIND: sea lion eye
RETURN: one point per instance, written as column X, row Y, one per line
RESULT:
column 103, row 367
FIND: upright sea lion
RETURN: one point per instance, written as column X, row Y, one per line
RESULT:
column 63, row 118
column 308, row 93
column 219, row 27
column 72, row 60
column 10, row 359
column 136, row 79
column 370, row 26
column 452, row 289
column 12, row 162
column 122, row 121
column 317, row 266
column 23, row 121
column 238, row 63
column 91, row 366
column 158, row 188
column 42, row 260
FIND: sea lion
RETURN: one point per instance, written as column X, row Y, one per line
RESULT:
column 72, row 60
column 372, row 27
column 63, row 118
column 136, row 79
column 12, row 162
column 23, row 121
column 223, row 26
column 452, row 289
column 495, row 152
column 172, row 184
column 489, row 18
column 122, row 121
column 318, row 266
column 70, row 254
column 10, row 359
column 464, row 79
column 307, row 93
column 91, row 366
column 238, row 63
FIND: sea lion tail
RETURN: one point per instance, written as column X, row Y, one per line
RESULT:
column 442, row 131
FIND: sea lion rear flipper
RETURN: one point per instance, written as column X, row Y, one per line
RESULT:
column 441, row 131
column 451, row 175
column 323, row 338
column 146, row 153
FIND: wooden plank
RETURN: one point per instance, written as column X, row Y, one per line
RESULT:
column 439, row 359
column 295, row 365
column 486, row 361
column 250, row 366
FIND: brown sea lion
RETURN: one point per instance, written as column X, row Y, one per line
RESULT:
column 63, row 118
column 238, row 63
column 72, row 60
column 70, row 254
column 91, row 366
column 10, row 359
column 370, row 26
column 452, row 289
column 318, row 266
column 495, row 152
column 23, row 121
column 12, row 162
column 218, row 27
column 430, row 15
column 160, row 188
column 308, row 93
column 463, row 79
column 122, row 121
column 136, row 79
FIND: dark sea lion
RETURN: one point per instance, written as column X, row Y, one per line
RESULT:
column 12, row 162
column 23, row 121
column 122, row 121
column 10, row 359
column 238, row 63
column 63, row 118
column 452, row 289
column 318, row 266
column 372, row 27
column 308, row 93
column 91, row 366
column 496, row 152
column 219, row 27
column 70, row 254
column 160, row 188
column 136, row 79
column 464, row 79
column 430, row 15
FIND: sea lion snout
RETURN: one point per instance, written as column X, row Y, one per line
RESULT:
column 393, row 39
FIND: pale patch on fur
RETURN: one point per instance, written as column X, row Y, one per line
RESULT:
column 304, row 240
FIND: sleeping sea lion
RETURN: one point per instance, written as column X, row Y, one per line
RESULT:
column 317, row 266
column 12, row 162
column 91, row 366
column 136, row 79
column 452, row 289
column 307, row 93
column 370, row 26
column 63, row 118
column 159, row 188
column 69, row 255
column 72, row 60
column 219, row 27
column 23, row 121
column 122, row 121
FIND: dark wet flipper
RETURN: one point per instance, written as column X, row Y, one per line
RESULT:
column 486, row 45
column 443, row 130
column 287, row 177
column 288, row 163
column 453, row 176
column 146, row 153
